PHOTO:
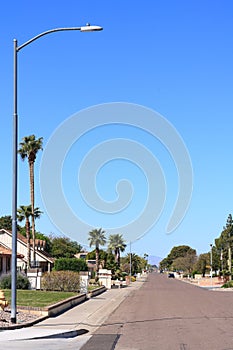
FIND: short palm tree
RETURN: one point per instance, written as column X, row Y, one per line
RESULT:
column 29, row 148
column 24, row 213
column 116, row 244
column 97, row 238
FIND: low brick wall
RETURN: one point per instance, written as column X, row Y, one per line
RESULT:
column 97, row 291
column 62, row 306
column 55, row 309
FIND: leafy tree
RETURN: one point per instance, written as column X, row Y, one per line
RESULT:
column 137, row 263
column 111, row 263
column 97, row 238
column 39, row 235
column 25, row 213
column 6, row 222
column 216, row 265
column 63, row 247
column 103, row 256
column 202, row 263
column 224, row 244
column 106, row 259
column 165, row 264
column 185, row 263
column 48, row 243
column 182, row 251
column 29, row 147
column 116, row 244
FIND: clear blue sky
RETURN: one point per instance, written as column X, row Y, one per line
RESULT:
column 174, row 57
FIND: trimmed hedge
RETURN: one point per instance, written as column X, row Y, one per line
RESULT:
column 70, row 264
column 65, row 281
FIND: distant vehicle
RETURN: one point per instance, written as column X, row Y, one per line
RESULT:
column 171, row 275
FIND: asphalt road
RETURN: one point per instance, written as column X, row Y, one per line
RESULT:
column 167, row 314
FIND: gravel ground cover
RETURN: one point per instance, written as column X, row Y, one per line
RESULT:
column 21, row 317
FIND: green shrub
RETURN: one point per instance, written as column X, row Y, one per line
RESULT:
column 65, row 281
column 22, row 282
column 70, row 264
column 93, row 282
column 228, row 285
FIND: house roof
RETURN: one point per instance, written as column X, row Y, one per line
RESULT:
column 8, row 252
column 38, row 242
column 23, row 240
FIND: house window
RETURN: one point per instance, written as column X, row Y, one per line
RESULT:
column 1, row 264
column 35, row 264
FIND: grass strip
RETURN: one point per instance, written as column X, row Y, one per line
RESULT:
column 37, row 298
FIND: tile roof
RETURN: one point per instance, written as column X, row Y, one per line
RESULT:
column 7, row 251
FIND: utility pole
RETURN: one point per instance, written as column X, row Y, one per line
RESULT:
column 229, row 226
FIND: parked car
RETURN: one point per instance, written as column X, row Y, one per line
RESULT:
column 171, row 275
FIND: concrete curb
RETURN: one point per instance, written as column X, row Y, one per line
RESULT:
column 55, row 309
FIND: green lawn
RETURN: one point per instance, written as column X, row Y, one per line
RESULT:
column 37, row 298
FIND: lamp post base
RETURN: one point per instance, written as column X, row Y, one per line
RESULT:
column 13, row 319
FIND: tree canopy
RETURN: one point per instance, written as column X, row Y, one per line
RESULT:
column 6, row 222
column 181, row 258
column 63, row 247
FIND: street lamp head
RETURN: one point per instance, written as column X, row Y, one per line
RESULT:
column 89, row 28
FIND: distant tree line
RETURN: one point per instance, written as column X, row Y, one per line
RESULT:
column 184, row 258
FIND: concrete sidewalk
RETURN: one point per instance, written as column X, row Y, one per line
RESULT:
column 81, row 320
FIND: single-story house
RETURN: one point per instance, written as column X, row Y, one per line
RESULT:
column 5, row 259
column 43, row 260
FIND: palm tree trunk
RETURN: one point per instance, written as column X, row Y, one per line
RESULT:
column 118, row 257
column 97, row 260
column 32, row 195
column 28, row 242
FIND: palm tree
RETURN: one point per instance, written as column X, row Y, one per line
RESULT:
column 29, row 148
column 97, row 238
column 116, row 244
column 24, row 213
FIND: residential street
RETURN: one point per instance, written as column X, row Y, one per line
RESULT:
column 167, row 314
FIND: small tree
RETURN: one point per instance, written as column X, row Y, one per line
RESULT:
column 25, row 213
column 63, row 247
column 6, row 222
column 202, row 262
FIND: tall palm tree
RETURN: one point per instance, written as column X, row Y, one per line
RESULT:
column 29, row 148
column 97, row 238
column 24, row 213
column 116, row 244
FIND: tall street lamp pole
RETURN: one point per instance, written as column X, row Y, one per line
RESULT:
column 87, row 28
